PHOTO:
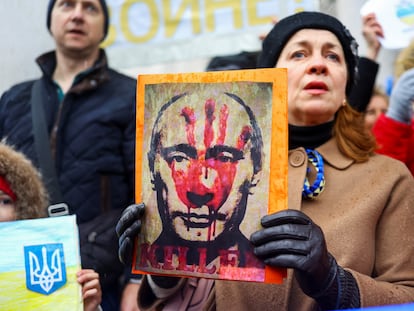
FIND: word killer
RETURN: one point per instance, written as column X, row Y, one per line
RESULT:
column 175, row 258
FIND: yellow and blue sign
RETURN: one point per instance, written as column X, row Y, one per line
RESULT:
column 405, row 12
column 396, row 18
column 38, row 266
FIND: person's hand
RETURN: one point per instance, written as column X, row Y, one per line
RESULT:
column 372, row 31
column 91, row 289
column 402, row 97
column 291, row 239
column 127, row 228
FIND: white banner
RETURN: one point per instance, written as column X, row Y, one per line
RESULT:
column 146, row 32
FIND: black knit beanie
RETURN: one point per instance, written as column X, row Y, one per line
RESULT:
column 284, row 29
column 104, row 9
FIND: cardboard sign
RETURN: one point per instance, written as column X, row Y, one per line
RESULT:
column 38, row 266
column 211, row 160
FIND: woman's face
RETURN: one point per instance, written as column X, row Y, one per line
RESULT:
column 317, row 76
column 377, row 105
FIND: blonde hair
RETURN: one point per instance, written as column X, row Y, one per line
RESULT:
column 404, row 60
column 352, row 138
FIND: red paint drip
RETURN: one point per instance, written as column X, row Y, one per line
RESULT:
column 189, row 116
column 224, row 114
column 209, row 108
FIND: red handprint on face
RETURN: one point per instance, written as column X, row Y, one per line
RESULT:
column 205, row 176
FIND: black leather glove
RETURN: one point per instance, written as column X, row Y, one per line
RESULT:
column 127, row 228
column 291, row 239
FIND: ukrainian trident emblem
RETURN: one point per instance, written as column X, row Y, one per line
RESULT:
column 45, row 268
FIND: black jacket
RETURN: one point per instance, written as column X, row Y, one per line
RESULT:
column 95, row 134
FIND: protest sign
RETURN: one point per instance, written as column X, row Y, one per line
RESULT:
column 211, row 160
column 40, row 258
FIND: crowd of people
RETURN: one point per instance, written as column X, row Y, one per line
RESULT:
column 394, row 130
column 347, row 237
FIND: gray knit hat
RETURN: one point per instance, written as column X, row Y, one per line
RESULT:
column 104, row 9
column 283, row 30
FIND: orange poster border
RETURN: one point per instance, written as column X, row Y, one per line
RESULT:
column 278, row 184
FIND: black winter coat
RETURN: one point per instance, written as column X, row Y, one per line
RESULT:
column 92, row 134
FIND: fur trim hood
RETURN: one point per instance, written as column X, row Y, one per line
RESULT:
column 25, row 182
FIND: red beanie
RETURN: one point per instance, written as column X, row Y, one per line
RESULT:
column 5, row 187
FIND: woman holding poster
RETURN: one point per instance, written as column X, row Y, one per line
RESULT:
column 347, row 238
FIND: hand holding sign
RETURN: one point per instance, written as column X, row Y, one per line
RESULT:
column 396, row 18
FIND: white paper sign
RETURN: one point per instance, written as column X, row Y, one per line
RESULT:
column 396, row 18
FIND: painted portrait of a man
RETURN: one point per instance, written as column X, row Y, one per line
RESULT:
column 206, row 177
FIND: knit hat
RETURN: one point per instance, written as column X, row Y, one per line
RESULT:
column 24, row 182
column 104, row 9
column 284, row 29
column 5, row 188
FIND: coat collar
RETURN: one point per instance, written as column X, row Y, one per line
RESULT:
column 89, row 79
column 332, row 155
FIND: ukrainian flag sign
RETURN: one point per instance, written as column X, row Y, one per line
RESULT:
column 38, row 265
